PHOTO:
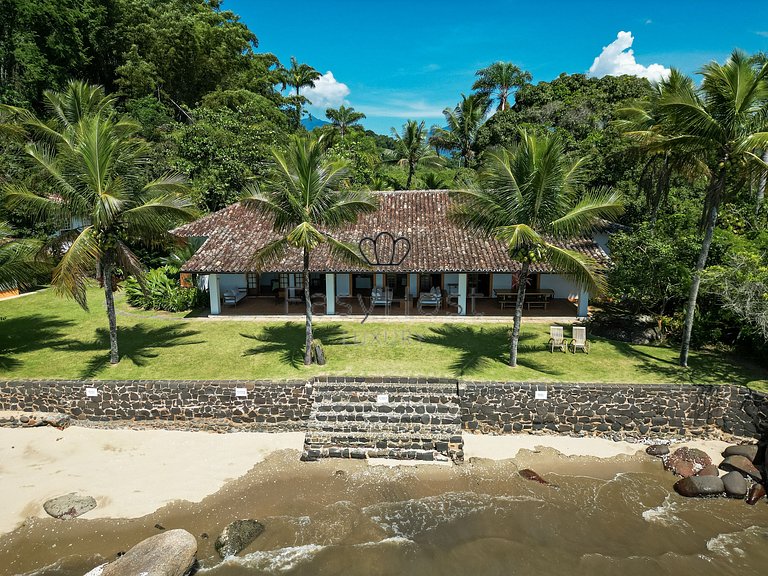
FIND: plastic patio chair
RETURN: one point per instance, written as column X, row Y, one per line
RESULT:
column 579, row 340
column 556, row 339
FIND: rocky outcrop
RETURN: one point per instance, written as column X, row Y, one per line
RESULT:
column 69, row 506
column 756, row 493
column 171, row 553
column 637, row 329
column 687, row 462
column 696, row 486
column 735, row 485
column 236, row 536
column 743, row 465
column 749, row 451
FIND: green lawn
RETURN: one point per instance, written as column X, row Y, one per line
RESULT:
column 44, row 336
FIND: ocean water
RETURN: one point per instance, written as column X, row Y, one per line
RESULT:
column 481, row 518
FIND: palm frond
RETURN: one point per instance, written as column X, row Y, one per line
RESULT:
column 584, row 271
column 589, row 211
column 76, row 266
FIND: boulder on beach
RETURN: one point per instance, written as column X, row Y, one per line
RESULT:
column 171, row 553
column 529, row 474
column 69, row 506
column 687, row 462
column 747, row 450
column 741, row 464
column 709, row 470
column 657, row 450
column 735, row 484
column 693, row 486
column 236, row 536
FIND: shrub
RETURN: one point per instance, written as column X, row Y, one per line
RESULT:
column 162, row 291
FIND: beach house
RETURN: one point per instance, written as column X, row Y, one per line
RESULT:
column 419, row 263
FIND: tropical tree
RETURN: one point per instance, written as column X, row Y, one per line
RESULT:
column 464, row 122
column 722, row 125
column 299, row 76
column 411, row 149
column 22, row 261
column 93, row 170
column 528, row 199
column 303, row 198
column 499, row 79
column 343, row 118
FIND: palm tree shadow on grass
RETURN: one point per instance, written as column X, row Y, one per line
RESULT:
column 478, row 347
column 24, row 334
column 138, row 344
column 288, row 340
column 705, row 367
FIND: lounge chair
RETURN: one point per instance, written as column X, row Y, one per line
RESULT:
column 234, row 295
column 432, row 298
column 556, row 339
column 381, row 297
column 579, row 339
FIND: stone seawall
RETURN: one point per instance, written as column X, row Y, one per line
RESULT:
column 487, row 407
column 611, row 409
column 179, row 400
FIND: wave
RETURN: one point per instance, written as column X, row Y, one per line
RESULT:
column 269, row 561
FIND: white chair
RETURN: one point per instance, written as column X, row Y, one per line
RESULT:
column 556, row 339
column 579, row 339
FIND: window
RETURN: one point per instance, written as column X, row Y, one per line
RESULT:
column 297, row 280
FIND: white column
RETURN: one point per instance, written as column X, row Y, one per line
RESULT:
column 463, row 294
column 583, row 311
column 330, row 293
column 213, row 291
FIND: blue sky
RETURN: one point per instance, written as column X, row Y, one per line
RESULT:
column 396, row 60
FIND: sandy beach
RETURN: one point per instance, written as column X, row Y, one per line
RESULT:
column 132, row 473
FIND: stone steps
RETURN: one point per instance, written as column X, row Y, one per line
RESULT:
column 384, row 420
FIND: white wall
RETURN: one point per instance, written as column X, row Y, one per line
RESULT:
column 562, row 285
column 232, row 282
column 414, row 280
column 502, row 282
column 342, row 285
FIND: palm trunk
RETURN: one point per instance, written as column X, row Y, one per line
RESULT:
column 109, row 296
column 761, row 185
column 308, row 308
column 410, row 176
column 522, row 278
column 716, row 188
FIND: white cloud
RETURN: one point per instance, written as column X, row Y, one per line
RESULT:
column 327, row 93
column 618, row 58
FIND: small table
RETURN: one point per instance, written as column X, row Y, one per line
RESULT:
column 539, row 298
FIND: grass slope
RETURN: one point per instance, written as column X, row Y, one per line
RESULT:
column 44, row 336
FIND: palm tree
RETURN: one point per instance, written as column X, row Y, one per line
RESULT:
column 343, row 118
column 94, row 167
column 22, row 261
column 411, row 149
column 302, row 197
column 299, row 76
column 500, row 78
column 528, row 200
column 464, row 123
column 722, row 126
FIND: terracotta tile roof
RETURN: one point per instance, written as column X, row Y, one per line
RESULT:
column 236, row 233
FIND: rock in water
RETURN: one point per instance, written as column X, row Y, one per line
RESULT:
column 757, row 492
column 741, row 464
column 171, row 553
column 735, row 485
column 236, row 536
column 747, row 450
column 529, row 474
column 686, row 461
column 69, row 506
column 699, row 486
column 657, row 450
